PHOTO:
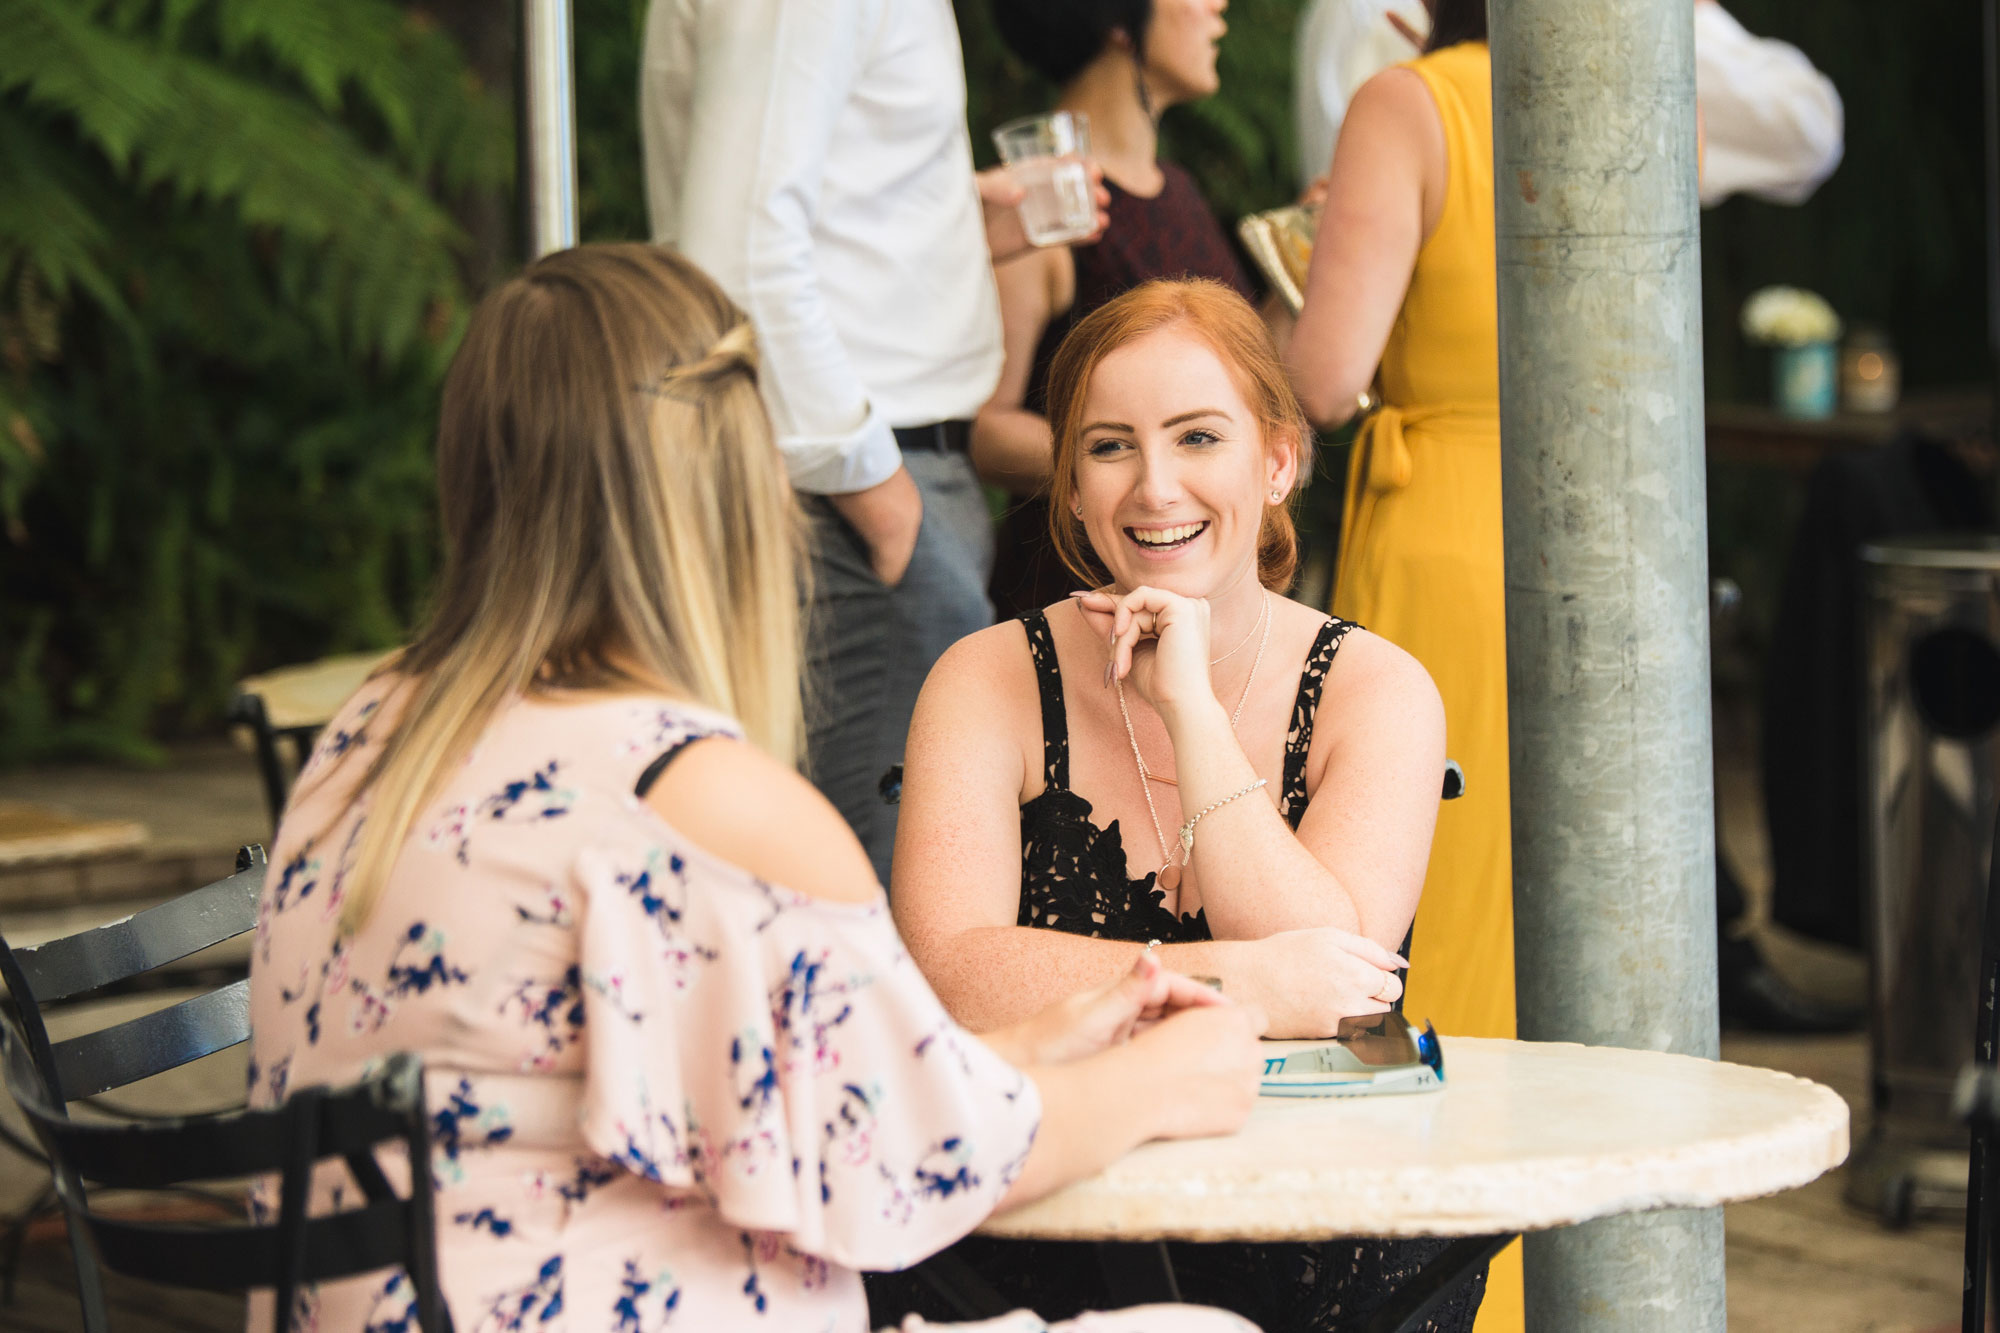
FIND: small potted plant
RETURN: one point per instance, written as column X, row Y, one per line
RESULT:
column 1800, row 328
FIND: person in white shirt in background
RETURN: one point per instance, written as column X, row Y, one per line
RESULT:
column 1342, row 44
column 812, row 157
column 1773, row 125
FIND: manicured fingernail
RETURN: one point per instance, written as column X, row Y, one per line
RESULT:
column 1107, row 675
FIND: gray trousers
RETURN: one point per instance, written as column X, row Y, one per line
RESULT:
column 870, row 646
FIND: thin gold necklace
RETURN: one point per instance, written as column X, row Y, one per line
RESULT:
column 1255, row 625
column 1169, row 877
column 1218, row 661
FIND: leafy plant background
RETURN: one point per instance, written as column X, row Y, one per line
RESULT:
column 239, row 238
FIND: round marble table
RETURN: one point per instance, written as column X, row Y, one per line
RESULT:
column 1524, row 1136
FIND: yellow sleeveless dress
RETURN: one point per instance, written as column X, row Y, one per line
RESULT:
column 1420, row 565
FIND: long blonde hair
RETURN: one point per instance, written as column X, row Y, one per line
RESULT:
column 616, row 517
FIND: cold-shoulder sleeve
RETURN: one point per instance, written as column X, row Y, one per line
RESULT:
column 784, row 1058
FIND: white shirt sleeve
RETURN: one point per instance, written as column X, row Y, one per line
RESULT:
column 762, row 85
column 1341, row 45
column 1772, row 123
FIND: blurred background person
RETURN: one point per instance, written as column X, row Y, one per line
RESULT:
column 1341, row 45
column 1772, row 128
column 1401, row 293
column 1773, row 124
column 812, row 155
column 1122, row 63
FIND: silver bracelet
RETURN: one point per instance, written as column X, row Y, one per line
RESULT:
column 1187, row 829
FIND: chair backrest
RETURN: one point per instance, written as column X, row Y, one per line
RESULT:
column 90, row 962
column 292, row 704
column 312, row 1125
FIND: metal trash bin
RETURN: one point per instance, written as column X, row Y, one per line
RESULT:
column 1931, row 778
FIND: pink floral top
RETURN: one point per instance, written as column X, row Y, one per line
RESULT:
column 663, row 1091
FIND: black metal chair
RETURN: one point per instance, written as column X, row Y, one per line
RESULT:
column 105, row 959
column 313, row 1124
column 108, row 960
column 286, row 709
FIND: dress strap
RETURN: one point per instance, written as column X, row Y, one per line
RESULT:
column 1048, row 683
column 1299, row 739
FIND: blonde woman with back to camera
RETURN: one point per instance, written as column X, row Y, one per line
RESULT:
column 1176, row 761
column 681, row 1070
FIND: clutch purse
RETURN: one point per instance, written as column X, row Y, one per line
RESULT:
column 1280, row 241
column 1375, row 1054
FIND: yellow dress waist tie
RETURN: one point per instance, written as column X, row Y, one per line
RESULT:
column 1384, row 461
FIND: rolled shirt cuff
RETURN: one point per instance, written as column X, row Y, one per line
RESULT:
column 840, row 464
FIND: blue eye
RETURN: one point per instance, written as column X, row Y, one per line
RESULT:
column 1200, row 438
column 1104, row 447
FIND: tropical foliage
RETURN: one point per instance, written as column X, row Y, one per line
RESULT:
column 227, row 280
column 232, row 268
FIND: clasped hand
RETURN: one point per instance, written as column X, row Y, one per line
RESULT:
column 1158, row 640
column 1110, row 1015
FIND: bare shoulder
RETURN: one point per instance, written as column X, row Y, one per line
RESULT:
column 1370, row 671
column 991, row 667
column 979, row 713
column 1394, row 110
column 1394, row 93
column 738, row 803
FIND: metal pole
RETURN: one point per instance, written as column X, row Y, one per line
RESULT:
column 1602, row 485
column 548, row 128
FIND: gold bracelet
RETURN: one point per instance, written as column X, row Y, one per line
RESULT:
column 1187, row 829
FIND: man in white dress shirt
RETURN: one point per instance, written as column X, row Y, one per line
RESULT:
column 1772, row 123
column 812, row 157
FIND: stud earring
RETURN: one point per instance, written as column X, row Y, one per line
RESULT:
column 1276, row 495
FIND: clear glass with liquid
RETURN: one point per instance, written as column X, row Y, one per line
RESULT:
column 1045, row 155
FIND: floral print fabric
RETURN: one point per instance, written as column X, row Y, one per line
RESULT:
column 665, row 1094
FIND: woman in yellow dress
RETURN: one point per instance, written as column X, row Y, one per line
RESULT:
column 1401, row 296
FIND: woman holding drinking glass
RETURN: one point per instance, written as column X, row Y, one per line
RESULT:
column 1120, row 64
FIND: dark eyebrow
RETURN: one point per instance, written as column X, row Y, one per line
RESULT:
column 1107, row 425
column 1194, row 415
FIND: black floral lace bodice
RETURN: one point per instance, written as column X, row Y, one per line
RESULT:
column 1073, row 872
column 1073, row 878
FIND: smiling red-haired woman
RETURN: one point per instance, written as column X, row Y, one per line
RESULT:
column 1176, row 759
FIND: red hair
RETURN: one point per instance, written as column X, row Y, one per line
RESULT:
column 1237, row 335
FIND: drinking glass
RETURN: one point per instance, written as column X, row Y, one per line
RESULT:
column 1045, row 155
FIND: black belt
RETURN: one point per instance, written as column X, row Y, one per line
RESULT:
column 940, row 437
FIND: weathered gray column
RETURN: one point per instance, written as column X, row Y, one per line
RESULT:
column 547, row 128
column 1607, row 571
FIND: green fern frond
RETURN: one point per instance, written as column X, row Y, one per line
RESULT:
column 202, row 132
column 46, row 220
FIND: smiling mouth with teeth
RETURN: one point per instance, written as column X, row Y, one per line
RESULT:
column 1167, row 539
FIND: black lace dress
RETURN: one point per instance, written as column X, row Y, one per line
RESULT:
column 1073, row 878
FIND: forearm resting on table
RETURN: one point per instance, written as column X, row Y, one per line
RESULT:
column 993, row 978
column 1094, row 1111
